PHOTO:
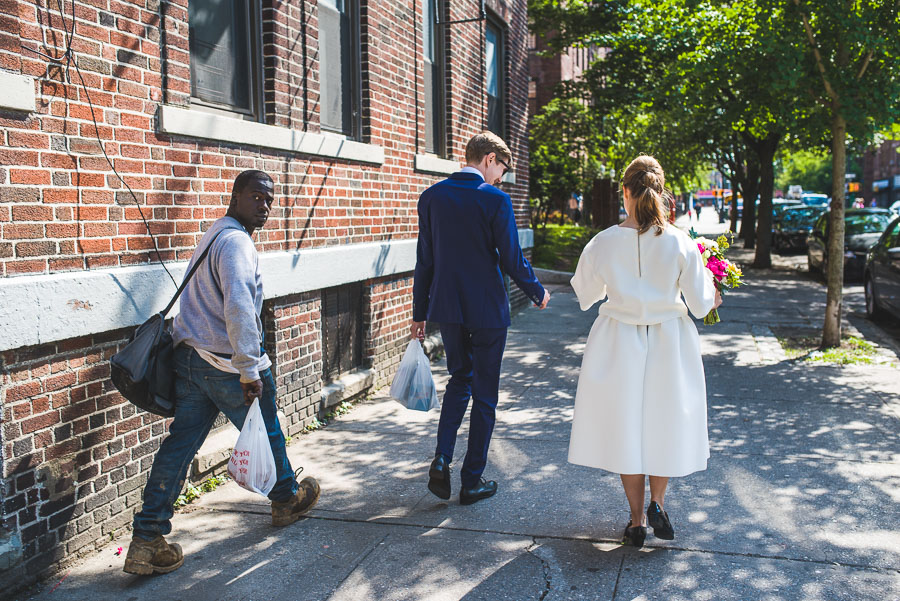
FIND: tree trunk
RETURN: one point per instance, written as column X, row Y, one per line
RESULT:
column 606, row 204
column 587, row 208
column 733, row 211
column 751, row 190
column 766, row 150
column 831, row 331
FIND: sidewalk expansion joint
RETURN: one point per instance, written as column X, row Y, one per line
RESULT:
column 356, row 564
column 545, row 567
column 580, row 539
column 618, row 576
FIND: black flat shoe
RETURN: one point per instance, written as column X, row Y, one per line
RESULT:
column 439, row 476
column 482, row 490
column 659, row 521
column 634, row 535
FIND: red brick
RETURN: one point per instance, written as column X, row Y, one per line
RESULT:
column 94, row 245
column 38, row 422
column 36, row 177
column 17, row 392
column 32, row 213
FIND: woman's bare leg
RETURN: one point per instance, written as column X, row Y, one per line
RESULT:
column 658, row 486
column 634, row 490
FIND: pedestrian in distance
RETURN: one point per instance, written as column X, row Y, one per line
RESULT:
column 220, row 365
column 640, row 407
column 467, row 240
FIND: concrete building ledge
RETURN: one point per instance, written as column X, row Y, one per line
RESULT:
column 16, row 92
column 346, row 387
column 551, row 276
column 80, row 303
column 199, row 124
column 432, row 163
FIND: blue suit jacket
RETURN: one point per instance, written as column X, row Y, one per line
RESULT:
column 467, row 234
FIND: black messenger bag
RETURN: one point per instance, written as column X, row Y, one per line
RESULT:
column 143, row 370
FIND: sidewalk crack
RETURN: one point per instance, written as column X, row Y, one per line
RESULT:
column 618, row 576
column 545, row 567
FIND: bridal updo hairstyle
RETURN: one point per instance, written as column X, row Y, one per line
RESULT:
column 646, row 184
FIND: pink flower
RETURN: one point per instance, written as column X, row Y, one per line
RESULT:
column 119, row 551
column 717, row 266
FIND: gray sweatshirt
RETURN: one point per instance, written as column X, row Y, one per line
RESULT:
column 221, row 304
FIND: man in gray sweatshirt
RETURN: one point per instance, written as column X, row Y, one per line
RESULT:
column 220, row 365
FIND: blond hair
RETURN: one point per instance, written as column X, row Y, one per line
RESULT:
column 646, row 184
column 484, row 144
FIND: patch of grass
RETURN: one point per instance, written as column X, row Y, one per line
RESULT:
column 192, row 493
column 853, row 350
column 337, row 411
column 559, row 246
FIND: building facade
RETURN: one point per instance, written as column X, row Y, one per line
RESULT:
column 352, row 106
column 881, row 174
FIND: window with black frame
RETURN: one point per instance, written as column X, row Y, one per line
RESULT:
column 339, row 61
column 495, row 78
column 433, row 52
column 224, row 42
column 342, row 330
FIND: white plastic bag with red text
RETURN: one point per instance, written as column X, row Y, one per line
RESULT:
column 252, row 464
column 413, row 385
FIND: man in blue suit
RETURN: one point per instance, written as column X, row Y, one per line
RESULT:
column 467, row 235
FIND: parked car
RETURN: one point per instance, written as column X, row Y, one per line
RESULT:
column 862, row 229
column 882, row 276
column 780, row 205
column 814, row 199
column 895, row 208
column 790, row 232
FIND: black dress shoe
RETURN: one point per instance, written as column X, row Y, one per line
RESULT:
column 659, row 521
column 439, row 476
column 634, row 535
column 482, row 490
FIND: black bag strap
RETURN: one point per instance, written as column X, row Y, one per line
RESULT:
column 190, row 273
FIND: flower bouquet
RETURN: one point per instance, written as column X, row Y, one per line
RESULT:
column 726, row 275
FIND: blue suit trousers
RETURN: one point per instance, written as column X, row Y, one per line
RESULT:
column 473, row 360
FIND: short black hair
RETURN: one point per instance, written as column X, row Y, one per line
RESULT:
column 244, row 178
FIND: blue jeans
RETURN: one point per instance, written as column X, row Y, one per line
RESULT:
column 473, row 360
column 201, row 391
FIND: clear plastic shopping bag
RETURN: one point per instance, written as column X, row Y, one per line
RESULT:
column 413, row 385
column 252, row 464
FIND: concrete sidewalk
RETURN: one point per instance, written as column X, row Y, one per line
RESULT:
column 800, row 501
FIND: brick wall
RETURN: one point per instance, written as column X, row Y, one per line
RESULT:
column 74, row 454
column 293, row 327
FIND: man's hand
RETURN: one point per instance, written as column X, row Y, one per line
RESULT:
column 417, row 330
column 251, row 390
column 546, row 300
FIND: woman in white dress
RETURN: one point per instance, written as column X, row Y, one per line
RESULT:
column 640, row 408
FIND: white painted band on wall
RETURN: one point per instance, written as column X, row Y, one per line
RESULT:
column 209, row 126
column 16, row 92
column 50, row 307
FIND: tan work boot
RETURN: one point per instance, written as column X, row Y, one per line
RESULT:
column 288, row 512
column 145, row 557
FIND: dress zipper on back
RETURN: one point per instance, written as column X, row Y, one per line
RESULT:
column 639, row 253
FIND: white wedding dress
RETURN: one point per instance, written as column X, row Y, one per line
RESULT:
column 641, row 401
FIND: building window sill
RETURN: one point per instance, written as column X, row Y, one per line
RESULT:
column 201, row 124
column 16, row 92
column 432, row 163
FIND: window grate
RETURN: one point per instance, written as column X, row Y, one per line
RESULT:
column 342, row 329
